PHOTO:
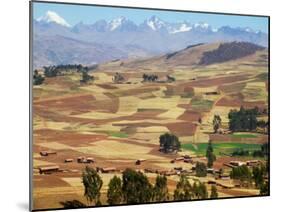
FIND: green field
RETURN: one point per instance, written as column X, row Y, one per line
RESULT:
column 118, row 134
column 244, row 135
column 226, row 148
column 201, row 104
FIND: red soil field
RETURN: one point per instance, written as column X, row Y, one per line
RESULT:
column 217, row 81
column 190, row 116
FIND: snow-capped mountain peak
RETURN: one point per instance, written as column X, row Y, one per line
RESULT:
column 52, row 17
column 202, row 25
column 155, row 23
column 117, row 22
column 181, row 27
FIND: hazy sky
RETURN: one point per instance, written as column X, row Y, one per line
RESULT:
column 89, row 14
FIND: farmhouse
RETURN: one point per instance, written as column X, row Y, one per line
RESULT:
column 177, row 159
column 68, row 160
column 187, row 157
column 224, row 176
column 226, row 185
column 48, row 169
column 211, row 182
column 178, row 168
column 85, row 160
column 252, row 162
column 168, row 172
column 107, row 169
column 46, row 153
column 210, row 170
column 223, row 131
column 148, row 170
column 237, row 163
column 212, row 93
column 90, row 160
column 188, row 160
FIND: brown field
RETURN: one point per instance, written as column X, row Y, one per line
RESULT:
column 116, row 124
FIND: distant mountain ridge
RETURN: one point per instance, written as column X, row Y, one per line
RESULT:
column 151, row 37
column 201, row 54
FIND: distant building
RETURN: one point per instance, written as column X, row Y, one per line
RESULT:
column 48, row 169
column 46, row 153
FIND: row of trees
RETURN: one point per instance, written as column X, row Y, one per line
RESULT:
column 149, row 77
column 134, row 188
column 263, row 152
column 53, row 71
column 247, row 176
column 185, row 191
column 243, row 120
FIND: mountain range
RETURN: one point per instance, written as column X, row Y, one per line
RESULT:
column 57, row 42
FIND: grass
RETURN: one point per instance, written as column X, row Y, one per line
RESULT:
column 244, row 135
column 263, row 76
column 227, row 148
column 201, row 104
column 118, row 134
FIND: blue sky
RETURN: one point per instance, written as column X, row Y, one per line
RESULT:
column 89, row 14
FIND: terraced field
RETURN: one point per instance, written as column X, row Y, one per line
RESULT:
column 118, row 123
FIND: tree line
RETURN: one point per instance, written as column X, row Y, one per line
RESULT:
column 263, row 152
column 242, row 120
column 60, row 70
column 134, row 187
column 248, row 176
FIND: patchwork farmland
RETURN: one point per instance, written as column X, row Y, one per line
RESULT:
column 117, row 123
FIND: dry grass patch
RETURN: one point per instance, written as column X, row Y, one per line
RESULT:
column 128, row 105
column 160, row 103
column 117, row 149
column 38, row 163
column 153, row 129
column 173, row 113
column 97, row 115
column 54, row 145
column 255, row 91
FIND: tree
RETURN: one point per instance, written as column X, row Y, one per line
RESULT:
column 243, row 120
column 216, row 123
column 118, row 78
column 92, row 184
column 210, row 155
column 73, row 204
column 114, row 192
column 183, row 189
column 86, row 77
column 264, row 189
column 136, row 187
column 200, row 191
column 263, row 152
column 201, row 169
column 37, row 78
column 258, row 175
column 160, row 190
column 169, row 143
column 242, row 173
column 214, row 192
column 149, row 78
